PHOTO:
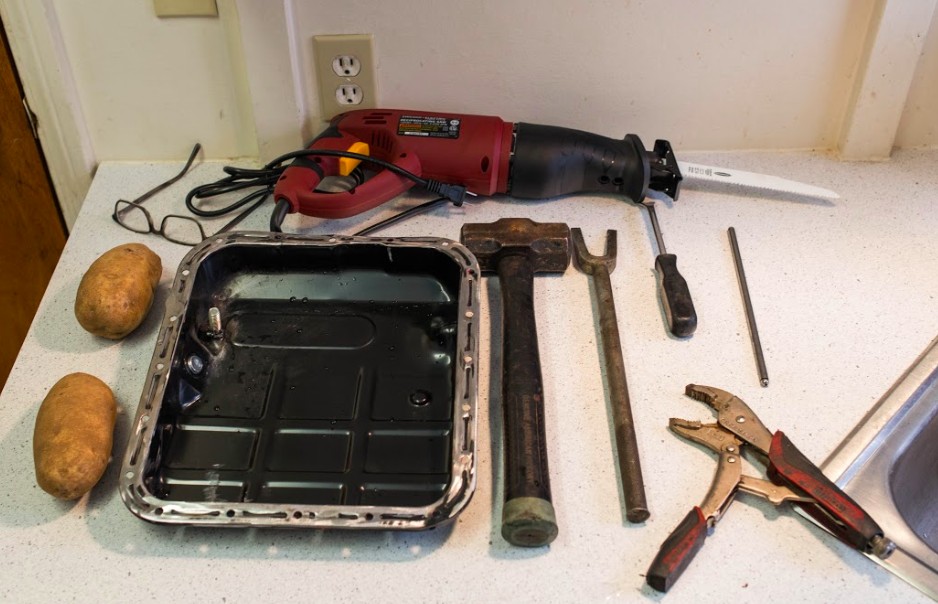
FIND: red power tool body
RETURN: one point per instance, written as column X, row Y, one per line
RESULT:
column 485, row 154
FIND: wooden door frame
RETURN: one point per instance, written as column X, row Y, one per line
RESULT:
column 32, row 233
column 35, row 39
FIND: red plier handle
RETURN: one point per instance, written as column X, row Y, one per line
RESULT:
column 678, row 550
column 833, row 509
column 793, row 478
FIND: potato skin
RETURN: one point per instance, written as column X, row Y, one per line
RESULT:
column 73, row 435
column 117, row 291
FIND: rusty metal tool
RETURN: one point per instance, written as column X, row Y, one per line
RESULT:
column 672, row 287
column 750, row 315
column 793, row 478
column 516, row 249
column 630, row 468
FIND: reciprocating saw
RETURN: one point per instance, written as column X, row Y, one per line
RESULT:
column 487, row 156
column 484, row 153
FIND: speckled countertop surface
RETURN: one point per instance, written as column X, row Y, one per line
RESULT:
column 845, row 294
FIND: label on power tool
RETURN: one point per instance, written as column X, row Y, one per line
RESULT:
column 427, row 125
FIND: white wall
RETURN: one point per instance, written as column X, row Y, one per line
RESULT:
column 728, row 75
column 149, row 87
column 735, row 74
column 919, row 124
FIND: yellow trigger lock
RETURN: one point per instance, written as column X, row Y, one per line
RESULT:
column 347, row 164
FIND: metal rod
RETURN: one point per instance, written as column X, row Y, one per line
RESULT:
column 750, row 316
column 633, row 485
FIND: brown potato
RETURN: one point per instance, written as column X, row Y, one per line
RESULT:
column 73, row 435
column 117, row 291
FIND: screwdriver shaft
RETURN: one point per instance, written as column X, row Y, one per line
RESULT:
column 650, row 206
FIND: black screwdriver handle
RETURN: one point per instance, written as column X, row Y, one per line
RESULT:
column 675, row 296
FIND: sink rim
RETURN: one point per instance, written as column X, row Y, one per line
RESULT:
column 861, row 465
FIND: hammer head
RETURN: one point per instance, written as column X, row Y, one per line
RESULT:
column 546, row 245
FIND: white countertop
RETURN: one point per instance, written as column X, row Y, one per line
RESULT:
column 845, row 298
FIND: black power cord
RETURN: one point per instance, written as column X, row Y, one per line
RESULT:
column 409, row 212
column 281, row 209
column 240, row 179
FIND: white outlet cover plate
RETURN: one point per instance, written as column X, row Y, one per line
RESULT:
column 330, row 53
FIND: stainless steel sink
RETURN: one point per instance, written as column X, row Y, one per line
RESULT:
column 889, row 465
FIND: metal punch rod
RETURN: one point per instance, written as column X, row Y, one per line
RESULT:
column 630, row 468
column 750, row 316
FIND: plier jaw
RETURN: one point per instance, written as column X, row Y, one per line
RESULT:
column 793, row 478
column 734, row 415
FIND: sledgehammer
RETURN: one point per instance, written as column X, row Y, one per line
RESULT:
column 516, row 249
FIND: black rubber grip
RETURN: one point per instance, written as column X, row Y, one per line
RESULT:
column 549, row 161
column 677, row 551
column 675, row 296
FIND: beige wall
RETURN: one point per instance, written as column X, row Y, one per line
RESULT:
column 735, row 74
column 728, row 75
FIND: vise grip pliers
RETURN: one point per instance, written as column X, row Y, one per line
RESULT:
column 793, row 478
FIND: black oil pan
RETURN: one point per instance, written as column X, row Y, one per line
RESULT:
column 311, row 382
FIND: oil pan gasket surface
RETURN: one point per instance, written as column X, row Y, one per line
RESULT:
column 339, row 392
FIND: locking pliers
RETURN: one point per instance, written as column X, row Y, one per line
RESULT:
column 793, row 478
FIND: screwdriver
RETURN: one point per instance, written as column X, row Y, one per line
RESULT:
column 675, row 296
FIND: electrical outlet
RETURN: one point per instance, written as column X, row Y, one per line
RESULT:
column 349, row 94
column 346, row 66
column 345, row 71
